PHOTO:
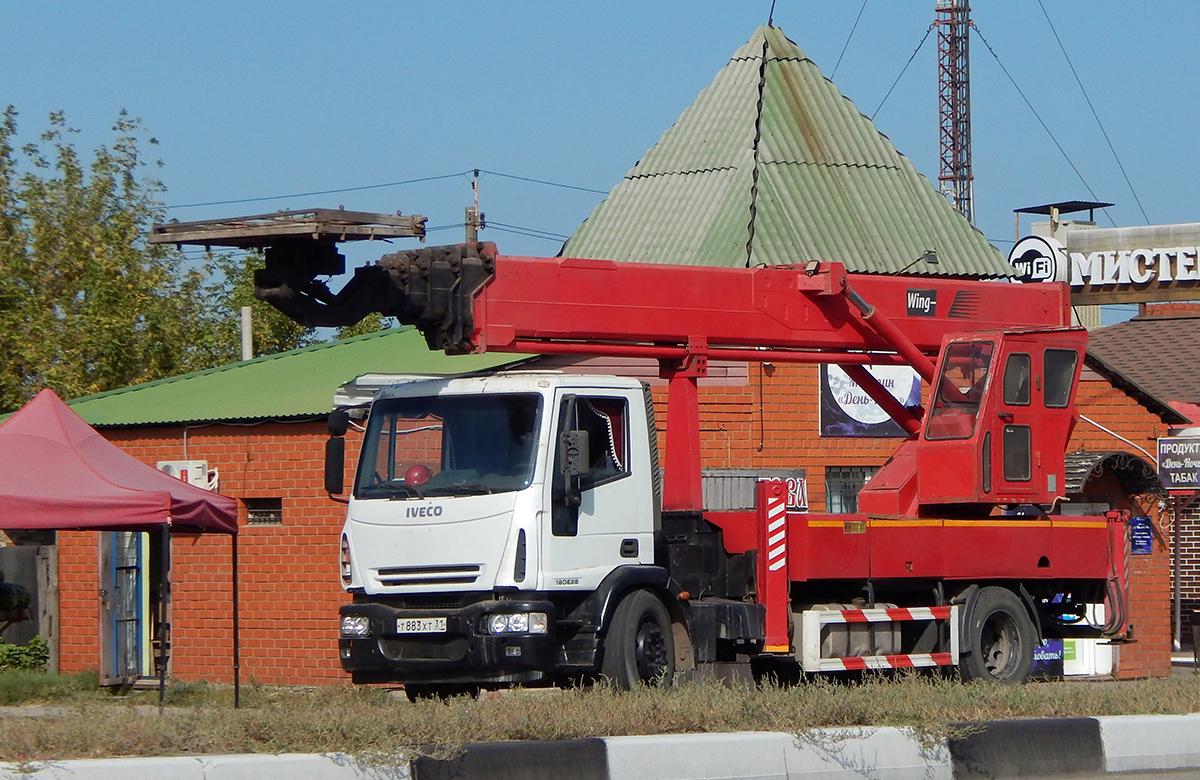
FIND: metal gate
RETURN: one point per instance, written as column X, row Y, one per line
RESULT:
column 123, row 607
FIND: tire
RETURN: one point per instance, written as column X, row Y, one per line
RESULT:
column 1002, row 638
column 639, row 648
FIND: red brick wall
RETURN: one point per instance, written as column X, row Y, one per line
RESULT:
column 289, row 585
column 1149, row 575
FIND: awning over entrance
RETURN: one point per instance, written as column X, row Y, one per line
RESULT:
column 57, row 472
column 1137, row 476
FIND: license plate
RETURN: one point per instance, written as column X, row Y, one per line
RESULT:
column 436, row 625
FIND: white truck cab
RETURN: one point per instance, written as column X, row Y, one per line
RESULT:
column 484, row 511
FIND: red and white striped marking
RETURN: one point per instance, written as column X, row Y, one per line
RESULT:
column 776, row 533
column 886, row 615
column 864, row 662
column 810, row 637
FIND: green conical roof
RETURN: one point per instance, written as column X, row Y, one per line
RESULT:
column 829, row 185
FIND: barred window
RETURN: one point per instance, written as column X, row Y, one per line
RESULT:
column 264, row 511
column 842, row 484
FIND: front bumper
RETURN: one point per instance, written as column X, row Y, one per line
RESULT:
column 464, row 653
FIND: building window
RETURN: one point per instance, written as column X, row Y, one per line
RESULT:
column 264, row 511
column 842, row 484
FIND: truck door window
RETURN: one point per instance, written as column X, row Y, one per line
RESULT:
column 1016, row 379
column 1017, row 459
column 449, row 445
column 959, row 390
column 606, row 421
column 1059, row 371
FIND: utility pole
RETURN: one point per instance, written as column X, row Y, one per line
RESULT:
column 953, row 20
column 474, row 220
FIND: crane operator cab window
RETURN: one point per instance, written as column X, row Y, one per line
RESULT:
column 605, row 423
column 959, row 390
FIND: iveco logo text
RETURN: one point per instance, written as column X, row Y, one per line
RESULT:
column 922, row 303
column 423, row 511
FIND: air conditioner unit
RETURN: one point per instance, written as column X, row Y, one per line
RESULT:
column 194, row 472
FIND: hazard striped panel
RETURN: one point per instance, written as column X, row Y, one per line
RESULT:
column 812, row 620
column 887, row 615
column 772, row 575
column 902, row 661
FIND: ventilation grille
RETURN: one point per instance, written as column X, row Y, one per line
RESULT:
column 407, row 576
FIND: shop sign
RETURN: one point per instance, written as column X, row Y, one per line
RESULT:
column 1141, row 536
column 1179, row 462
column 1108, row 275
column 847, row 410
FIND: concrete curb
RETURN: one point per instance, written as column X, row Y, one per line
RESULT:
column 999, row 749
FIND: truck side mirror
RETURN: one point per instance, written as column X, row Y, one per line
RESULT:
column 338, row 422
column 335, row 465
column 573, row 454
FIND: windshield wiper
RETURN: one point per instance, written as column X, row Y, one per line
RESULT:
column 392, row 489
column 473, row 488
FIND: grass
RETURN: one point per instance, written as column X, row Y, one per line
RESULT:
column 75, row 720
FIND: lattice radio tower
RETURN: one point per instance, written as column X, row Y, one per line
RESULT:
column 953, row 22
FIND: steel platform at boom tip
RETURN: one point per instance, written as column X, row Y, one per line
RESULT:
column 262, row 230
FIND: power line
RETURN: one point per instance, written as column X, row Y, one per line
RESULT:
column 542, row 181
column 320, row 192
column 387, row 184
column 1039, row 118
column 903, row 70
column 1094, row 114
column 846, row 45
column 531, row 232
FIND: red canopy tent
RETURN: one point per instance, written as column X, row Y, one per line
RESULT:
column 57, row 472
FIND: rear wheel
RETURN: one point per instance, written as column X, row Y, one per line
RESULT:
column 1002, row 639
column 639, row 648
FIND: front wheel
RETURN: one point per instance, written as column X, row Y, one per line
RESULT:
column 1002, row 639
column 639, row 648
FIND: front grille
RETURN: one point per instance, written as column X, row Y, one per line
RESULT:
column 430, row 649
column 408, row 576
column 436, row 600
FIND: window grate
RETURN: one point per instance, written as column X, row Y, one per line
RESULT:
column 842, row 484
column 264, row 511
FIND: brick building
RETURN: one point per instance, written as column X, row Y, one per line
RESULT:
column 257, row 429
column 1167, row 329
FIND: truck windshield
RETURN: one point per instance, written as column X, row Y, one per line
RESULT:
column 448, row 445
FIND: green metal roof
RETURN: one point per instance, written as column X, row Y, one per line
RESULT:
column 299, row 383
column 830, row 186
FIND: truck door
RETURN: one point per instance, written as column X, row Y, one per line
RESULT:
column 1014, row 437
column 1034, row 416
column 597, row 520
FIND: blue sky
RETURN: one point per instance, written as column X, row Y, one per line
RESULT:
column 255, row 100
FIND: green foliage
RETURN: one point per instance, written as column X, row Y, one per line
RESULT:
column 216, row 294
column 30, row 657
column 86, row 304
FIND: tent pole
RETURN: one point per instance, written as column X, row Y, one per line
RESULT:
column 237, row 645
column 164, row 597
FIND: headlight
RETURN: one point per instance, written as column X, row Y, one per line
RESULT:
column 356, row 625
column 519, row 623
